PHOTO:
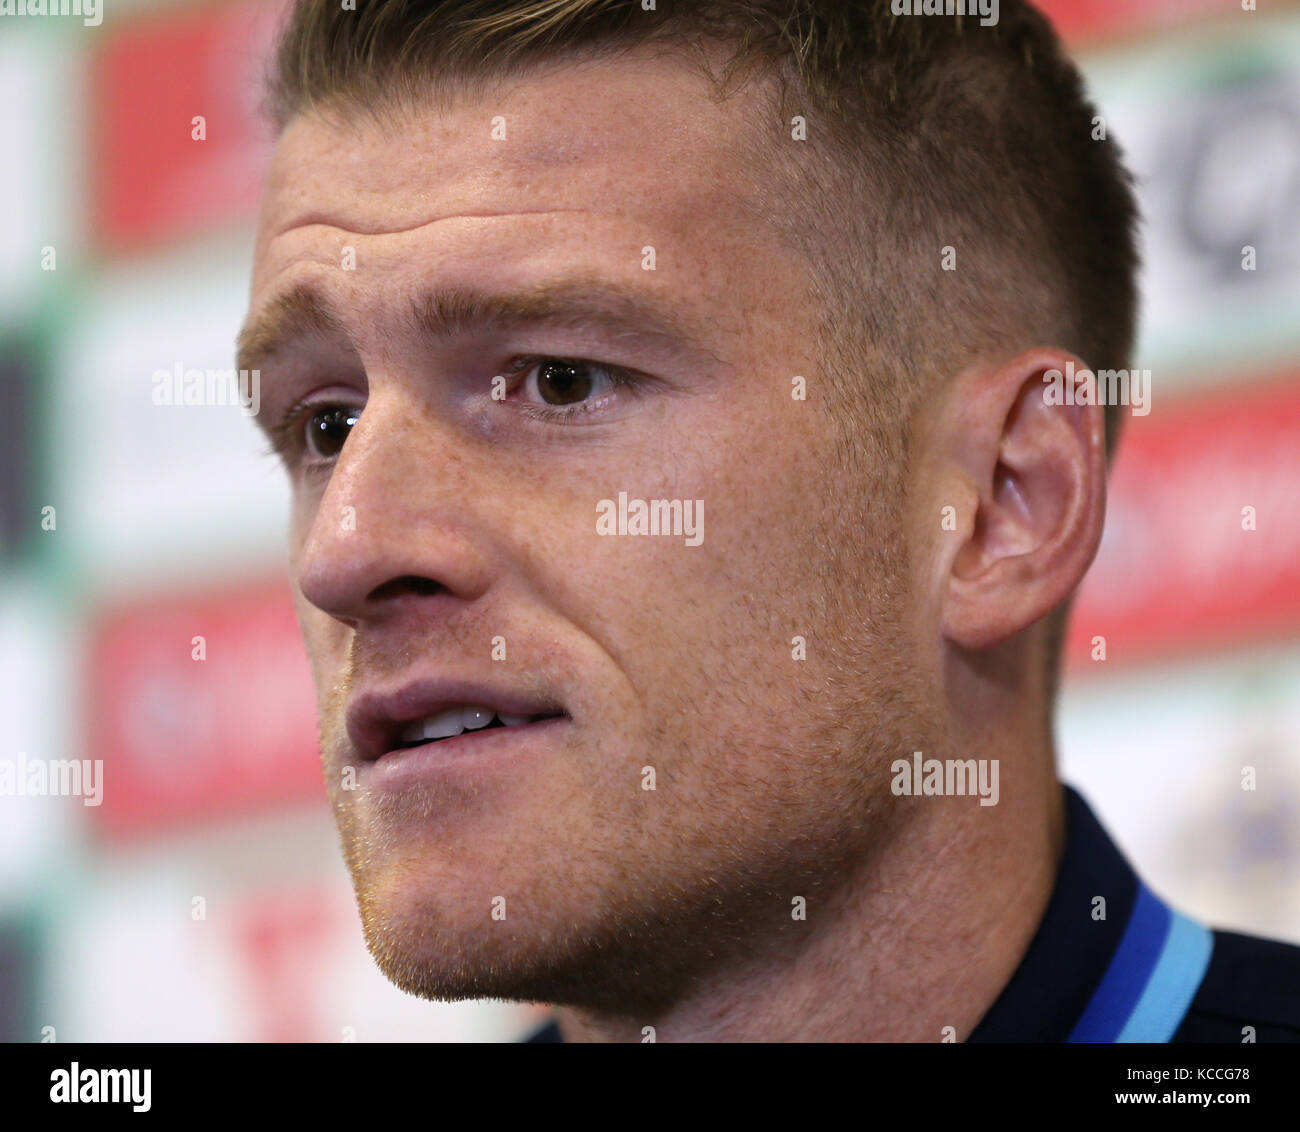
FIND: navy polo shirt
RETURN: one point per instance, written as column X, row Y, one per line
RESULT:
column 1143, row 973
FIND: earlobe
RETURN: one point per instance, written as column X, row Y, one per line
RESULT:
column 1037, row 467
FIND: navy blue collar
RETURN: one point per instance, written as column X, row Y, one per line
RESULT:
column 1110, row 962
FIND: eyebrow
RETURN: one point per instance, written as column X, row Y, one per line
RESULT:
column 299, row 313
column 574, row 302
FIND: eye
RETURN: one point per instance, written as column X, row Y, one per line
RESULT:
column 559, row 389
column 325, row 430
column 564, row 383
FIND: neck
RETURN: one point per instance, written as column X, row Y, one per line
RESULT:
column 921, row 937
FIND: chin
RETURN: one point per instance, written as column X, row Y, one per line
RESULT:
column 435, row 937
column 449, row 965
column 443, row 945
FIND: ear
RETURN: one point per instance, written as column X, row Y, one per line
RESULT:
column 1032, row 472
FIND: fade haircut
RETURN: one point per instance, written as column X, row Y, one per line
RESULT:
column 923, row 134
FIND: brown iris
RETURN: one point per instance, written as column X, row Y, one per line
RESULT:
column 328, row 429
column 563, row 383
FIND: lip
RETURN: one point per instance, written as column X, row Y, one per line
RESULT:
column 375, row 718
column 483, row 755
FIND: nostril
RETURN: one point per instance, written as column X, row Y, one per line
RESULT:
column 407, row 584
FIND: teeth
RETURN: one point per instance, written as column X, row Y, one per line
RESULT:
column 472, row 718
column 441, row 726
column 455, row 720
column 445, row 724
column 412, row 732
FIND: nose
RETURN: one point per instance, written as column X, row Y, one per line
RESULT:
column 395, row 525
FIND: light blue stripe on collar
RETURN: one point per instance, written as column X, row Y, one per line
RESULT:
column 1152, row 977
column 1173, row 983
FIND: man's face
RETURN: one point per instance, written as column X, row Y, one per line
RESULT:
column 450, row 554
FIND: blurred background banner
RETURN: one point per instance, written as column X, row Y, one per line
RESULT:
column 231, row 731
column 1183, row 564
column 145, row 613
column 198, row 65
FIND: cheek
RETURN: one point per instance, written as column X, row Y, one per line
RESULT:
column 325, row 640
column 302, row 513
column 699, row 629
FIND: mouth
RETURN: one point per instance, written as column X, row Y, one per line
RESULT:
column 458, row 720
column 426, row 714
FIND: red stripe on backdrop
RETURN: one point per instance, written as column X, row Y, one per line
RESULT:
column 153, row 180
column 1180, row 567
column 1081, row 21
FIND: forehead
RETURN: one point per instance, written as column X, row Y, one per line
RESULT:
column 619, row 152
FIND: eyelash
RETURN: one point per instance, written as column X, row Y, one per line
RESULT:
column 561, row 414
column 286, row 434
